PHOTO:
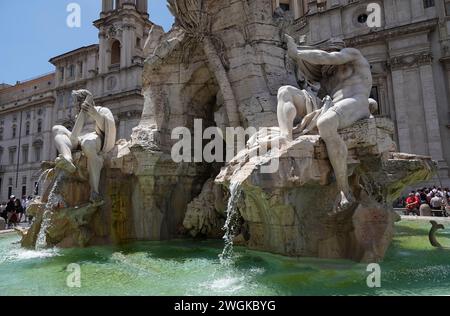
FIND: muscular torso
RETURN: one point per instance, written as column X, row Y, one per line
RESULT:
column 91, row 126
column 351, row 80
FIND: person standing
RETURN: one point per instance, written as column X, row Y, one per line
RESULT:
column 29, row 218
column 10, row 209
column 436, row 202
column 412, row 204
column 19, row 210
column 24, row 207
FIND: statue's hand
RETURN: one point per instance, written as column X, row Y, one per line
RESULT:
column 89, row 109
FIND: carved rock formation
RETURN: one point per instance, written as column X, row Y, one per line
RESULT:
column 290, row 212
column 65, row 205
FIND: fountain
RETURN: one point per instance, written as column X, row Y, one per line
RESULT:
column 316, row 204
column 135, row 191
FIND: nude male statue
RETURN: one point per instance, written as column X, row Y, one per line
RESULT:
column 94, row 133
column 346, row 78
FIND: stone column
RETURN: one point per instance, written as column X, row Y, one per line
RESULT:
column 142, row 6
column 103, row 56
column 400, row 111
column 127, row 45
column 295, row 8
column 107, row 5
column 431, row 112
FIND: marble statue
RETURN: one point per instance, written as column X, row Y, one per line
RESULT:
column 345, row 78
column 94, row 133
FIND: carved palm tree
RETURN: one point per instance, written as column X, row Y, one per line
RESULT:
column 191, row 16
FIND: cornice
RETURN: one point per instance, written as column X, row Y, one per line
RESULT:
column 390, row 33
column 407, row 61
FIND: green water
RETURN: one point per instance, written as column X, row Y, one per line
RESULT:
column 412, row 267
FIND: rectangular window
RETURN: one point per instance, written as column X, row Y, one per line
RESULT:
column 24, row 190
column 24, row 180
column 61, row 72
column 25, row 154
column 12, row 156
column 72, row 71
column 285, row 5
column 447, row 8
column 428, row 3
column 37, row 154
column 9, row 191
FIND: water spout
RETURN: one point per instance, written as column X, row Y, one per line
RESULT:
column 54, row 201
column 231, row 224
column 42, row 177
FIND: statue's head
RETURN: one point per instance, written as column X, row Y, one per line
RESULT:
column 79, row 96
column 334, row 44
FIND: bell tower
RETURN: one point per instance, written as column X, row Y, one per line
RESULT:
column 123, row 27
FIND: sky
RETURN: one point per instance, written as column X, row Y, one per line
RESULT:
column 33, row 31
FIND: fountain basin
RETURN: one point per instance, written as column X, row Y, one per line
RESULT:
column 411, row 267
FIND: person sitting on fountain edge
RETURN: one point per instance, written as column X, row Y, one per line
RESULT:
column 94, row 133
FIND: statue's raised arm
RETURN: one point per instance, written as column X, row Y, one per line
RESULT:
column 94, row 143
column 345, row 77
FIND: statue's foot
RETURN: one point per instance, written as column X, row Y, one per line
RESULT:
column 344, row 203
column 96, row 199
column 65, row 164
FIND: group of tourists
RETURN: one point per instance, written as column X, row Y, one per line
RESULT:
column 14, row 211
column 434, row 200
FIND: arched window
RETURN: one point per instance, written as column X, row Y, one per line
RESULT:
column 27, row 129
column 39, row 126
column 115, row 53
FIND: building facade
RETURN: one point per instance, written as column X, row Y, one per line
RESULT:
column 26, row 112
column 111, row 70
column 409, row 56
column 410, row 60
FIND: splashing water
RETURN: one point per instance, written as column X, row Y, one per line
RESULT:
column 42, row 177
column 231, row 222
column 54, row 200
